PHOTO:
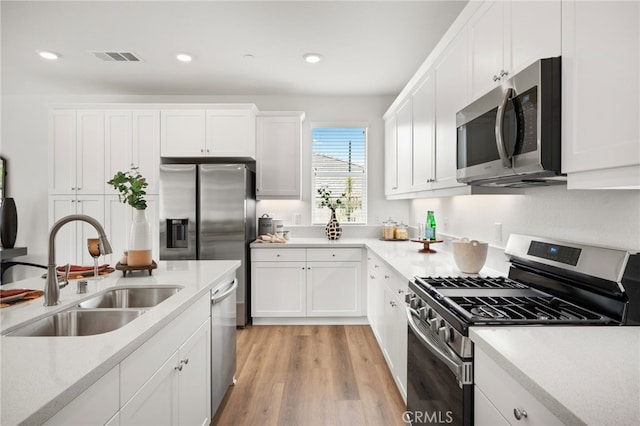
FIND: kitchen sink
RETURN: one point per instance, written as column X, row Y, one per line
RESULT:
column 131, row 297
column 79, row 322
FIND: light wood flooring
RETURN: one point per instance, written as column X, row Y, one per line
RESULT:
column 310, row 375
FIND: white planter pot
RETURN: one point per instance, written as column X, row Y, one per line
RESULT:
column 140, row 242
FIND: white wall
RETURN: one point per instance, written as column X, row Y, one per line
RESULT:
column 25, row 143
column 606, row 218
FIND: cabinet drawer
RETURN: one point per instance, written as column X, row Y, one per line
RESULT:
column 278, row 255
column 338, row 255
column 395, row 282
column 136, row 369
column 506, row 394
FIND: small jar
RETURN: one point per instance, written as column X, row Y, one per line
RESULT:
column 402, row 232
column 389, row 229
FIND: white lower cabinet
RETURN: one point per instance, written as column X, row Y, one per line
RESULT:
column 298, row 282
column 178, row 392
column 498, row 395
column 166, row 381
column 278, row 289
column 387, row 315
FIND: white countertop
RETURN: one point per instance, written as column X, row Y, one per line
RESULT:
column 403, row 256
column 583, row 375
column 40, row 375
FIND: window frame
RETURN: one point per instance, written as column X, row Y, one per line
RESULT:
column 365, row 201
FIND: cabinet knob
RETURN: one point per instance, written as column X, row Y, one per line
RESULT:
column 393, row 304
column 519, row 413
column 334, row 255
column 372, row 277
column 277, row 255
column 400, row 291
column 386, row 277
column 207, row 151
column 202, row 151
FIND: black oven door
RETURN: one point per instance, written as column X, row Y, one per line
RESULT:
column 437, row 391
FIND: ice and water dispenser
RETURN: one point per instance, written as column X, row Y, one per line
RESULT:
column 177, row 233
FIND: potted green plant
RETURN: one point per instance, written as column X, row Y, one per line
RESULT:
column 333, row 230
column 131, row 190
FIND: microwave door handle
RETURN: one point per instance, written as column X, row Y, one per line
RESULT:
column 502, row 149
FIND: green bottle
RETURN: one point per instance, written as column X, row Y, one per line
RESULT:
column 430, row 227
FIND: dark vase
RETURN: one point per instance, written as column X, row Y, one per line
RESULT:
column 8, row 222
column 333, row 229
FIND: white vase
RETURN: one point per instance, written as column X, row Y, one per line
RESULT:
column 139, row 251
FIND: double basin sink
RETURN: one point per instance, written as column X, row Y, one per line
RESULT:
column 104, row 312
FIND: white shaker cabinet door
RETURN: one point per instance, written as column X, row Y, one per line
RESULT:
column 118, row 142
column 90, row 152
column 278, row 157
column 423, row 133
column 62, row 152
column 278, row 289
column 182, row 133
column 333, row 289
column 600, row 94
column 450, row 97
column 486, row 47
column 156, row 403
column 230, row 133
column 145, row 127
column 194, row 376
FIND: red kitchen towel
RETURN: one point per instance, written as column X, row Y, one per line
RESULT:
column 13, row 292
column 78, row 268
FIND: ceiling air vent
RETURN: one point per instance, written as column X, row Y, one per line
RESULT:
column 117, row 56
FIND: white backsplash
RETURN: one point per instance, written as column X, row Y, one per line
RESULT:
column 604, row 218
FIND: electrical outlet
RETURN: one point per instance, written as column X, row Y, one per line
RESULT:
column 445, row 222
column 378, row 220
column 497, row 228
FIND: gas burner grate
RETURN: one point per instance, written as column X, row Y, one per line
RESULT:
column 529, row 309
column 469, row 282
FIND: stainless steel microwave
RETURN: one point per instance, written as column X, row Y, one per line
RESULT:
column 511, row 136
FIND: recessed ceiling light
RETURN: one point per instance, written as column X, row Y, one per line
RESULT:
column 312, row 58
column 47, row 54
column 183, row 57
column 248, row 56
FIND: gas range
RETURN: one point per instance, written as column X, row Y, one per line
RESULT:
column 550, row 283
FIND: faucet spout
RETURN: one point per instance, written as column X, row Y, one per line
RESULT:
column 52, row 287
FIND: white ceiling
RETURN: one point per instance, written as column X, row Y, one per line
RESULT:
column 369, row 47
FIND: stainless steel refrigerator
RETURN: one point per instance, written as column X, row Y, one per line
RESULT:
column 207, row 212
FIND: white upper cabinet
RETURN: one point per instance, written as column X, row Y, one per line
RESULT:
column 600, row 87
column 390, row 156
column 423, row 133
column 278, row 160
column 404, row 141
column 507, row 36
column 218, row 132
column 231, row 133
column 450, row 97
column 486, row 47
column 77, row 152
column 182, row 133
column 132, row 138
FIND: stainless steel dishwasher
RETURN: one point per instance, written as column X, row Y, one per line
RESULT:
column 223, row 341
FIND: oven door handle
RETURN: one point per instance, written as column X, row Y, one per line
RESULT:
column 502, row 149
column 456, row 366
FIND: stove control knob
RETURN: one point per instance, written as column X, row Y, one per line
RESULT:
column 445, row 334
column 433, row 323
column 429, row 313
column 423, row 312
column 415, row 302
column 408, row 297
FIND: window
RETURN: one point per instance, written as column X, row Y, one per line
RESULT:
column 339, row 164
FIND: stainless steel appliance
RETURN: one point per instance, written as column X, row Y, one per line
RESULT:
column 510, row 137
column 223, row 341
column 207, row 212
column 549, row 283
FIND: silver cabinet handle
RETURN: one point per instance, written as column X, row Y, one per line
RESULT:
column 496, row 78
column 519, row 413
column 372, row 277
column 178, row 367
column 386, row 277
column 393, row 304
column 400, row 291
column 503, row 73
column 185, row 361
